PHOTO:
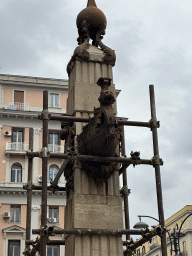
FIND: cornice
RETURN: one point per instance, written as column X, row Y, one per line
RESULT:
column 178, row 217
column 11, row 191
column 7, row 113
column 61, row 84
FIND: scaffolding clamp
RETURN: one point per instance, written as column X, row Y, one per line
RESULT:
column 125, row 190
column 47, row 231
column 135, row 156
column 44, row 115
column 156, row 160
column 44, row 152
column 28, row 186
column 154, row 123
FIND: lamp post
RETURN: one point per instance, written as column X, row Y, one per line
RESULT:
column 181, row 227
column 173, row 236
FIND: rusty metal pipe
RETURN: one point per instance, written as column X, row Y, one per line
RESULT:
column 61, row 170
column 157, row 167
column 44, row 172
column 49, row 242
column 29, row 190
column 88, row 158
column 158, row 230
column 86, row 120
column 86, row 231
column 49, row 188
column 125, row 195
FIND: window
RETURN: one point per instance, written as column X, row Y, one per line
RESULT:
column 182, row 225
column 54, row 141
column 17, row 138
column 155, row 240
column 18, row 96
column 15, row 213
column 54, row 213
column 53, row 250
column 138, row 252
column 13, row 248
column 143, row 250
column 54, row 100
column 18, row 100
column 176, row 226
column 16, row 173
column 184, row 246
column 53, row 170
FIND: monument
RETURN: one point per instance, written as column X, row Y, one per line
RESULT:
column 94, row 200
column 94, row 150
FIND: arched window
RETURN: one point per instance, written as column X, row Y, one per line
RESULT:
column 16, row 172
column 184, row 246
column 176, row 226
column 53, row 170
column 143, row 250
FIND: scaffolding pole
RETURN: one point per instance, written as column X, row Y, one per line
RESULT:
column 45, row 118
column 157, row 167
column 45, row 231
column 29, row 190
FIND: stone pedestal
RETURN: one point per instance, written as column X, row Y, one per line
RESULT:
column 90, row 204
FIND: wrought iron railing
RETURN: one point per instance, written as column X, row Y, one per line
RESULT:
column 17, row 146
column 19, row 106
column 154, row 245
column 56, row 148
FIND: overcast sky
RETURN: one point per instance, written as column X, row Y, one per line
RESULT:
column 153, row 44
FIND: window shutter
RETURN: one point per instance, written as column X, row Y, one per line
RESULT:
column 19, row 96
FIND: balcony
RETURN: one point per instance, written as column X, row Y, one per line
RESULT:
column 56, row 148
column 19, row 106
column 16, row 147
column 153, row 246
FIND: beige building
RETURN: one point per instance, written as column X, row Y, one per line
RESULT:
column 173, row 222
column 21, row 100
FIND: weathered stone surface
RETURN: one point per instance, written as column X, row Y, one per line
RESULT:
column 92, row 211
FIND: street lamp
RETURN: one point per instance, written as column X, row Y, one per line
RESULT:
column 173, row 236
column 140, row 224
column 181, row 227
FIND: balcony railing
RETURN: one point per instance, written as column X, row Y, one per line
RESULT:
column 19, row 106
column 56, row 148
column 154, row 245
column 17, row 146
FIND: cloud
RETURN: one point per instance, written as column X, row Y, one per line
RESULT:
column 152, row 41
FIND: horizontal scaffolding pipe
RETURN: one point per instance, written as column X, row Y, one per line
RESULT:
column 84, row 231
column 158, row 230
column 86, row 120
column 87, row 158
column 49, row 242
column 49, row 188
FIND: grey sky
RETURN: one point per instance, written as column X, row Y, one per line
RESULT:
column 152, row 40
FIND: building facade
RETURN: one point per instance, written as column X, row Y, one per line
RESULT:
column 153, row 248
column 21, row 100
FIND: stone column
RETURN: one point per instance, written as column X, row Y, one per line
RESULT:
column 91, row 205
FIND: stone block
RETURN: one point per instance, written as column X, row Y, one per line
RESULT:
column 96, row 212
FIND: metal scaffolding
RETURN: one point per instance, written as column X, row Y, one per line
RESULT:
column 44, row 232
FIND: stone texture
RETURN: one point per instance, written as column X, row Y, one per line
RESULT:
column 91, row 205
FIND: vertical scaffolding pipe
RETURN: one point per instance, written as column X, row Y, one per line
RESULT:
column 125, row 195
column 157, row 167
column 44, row 172
column 29, row 190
